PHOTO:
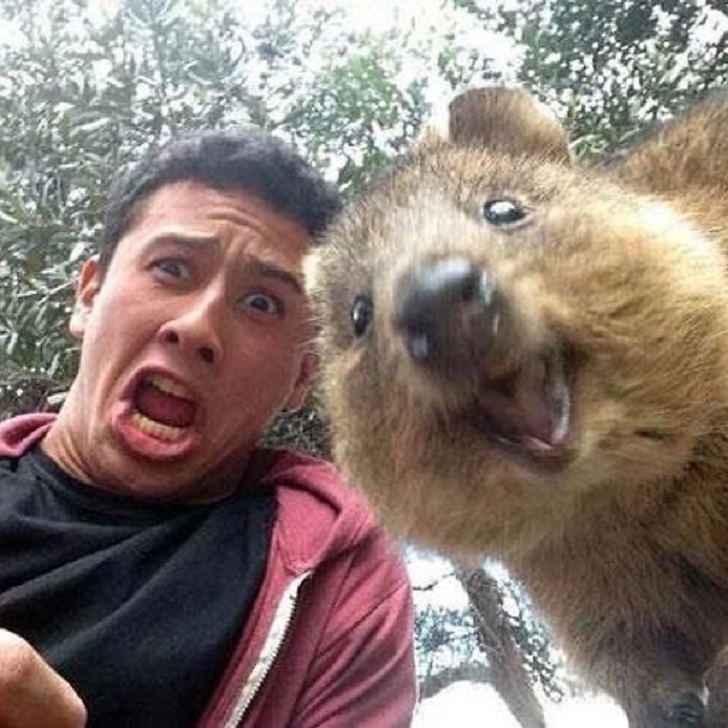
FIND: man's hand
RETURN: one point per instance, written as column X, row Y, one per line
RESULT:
column 32, row 694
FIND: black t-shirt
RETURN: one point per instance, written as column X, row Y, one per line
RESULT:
column 137, row 605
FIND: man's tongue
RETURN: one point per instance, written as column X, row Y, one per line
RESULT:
column 163, row 407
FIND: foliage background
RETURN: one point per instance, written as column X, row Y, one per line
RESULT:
column 88, row 86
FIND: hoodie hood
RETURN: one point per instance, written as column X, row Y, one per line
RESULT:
column 318, row 516
column 19, row 434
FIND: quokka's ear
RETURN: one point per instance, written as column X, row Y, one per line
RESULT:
column 509, row 121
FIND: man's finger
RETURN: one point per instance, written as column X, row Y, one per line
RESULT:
column 32, row 694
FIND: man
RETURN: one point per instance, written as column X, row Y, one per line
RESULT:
column 156, row 567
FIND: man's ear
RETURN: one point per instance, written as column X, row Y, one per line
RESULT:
column 89, row 282
column 306, row 373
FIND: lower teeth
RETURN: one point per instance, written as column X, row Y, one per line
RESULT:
column 168, row 433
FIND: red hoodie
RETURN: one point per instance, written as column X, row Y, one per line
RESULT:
column 329, row 641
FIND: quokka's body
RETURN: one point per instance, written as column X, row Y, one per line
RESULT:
column 528, row 361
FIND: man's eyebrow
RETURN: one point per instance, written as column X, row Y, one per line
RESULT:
column 205, row 243
column 270, row 270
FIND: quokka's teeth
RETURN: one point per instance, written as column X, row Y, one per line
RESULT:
column 165, row 384
column 157, row 429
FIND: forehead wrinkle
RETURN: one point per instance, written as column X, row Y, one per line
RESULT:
column 203, row 242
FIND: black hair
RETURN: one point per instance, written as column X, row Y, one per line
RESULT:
column 247, row 159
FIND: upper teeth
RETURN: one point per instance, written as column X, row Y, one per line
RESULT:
column 165, row 384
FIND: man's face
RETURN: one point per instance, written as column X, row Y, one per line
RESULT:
column 196, row 336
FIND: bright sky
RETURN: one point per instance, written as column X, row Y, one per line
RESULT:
column 471, row 705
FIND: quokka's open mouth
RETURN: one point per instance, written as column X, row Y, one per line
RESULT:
column 530, row 412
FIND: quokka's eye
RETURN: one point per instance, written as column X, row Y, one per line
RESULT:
column 503, row 213
column 362, row 314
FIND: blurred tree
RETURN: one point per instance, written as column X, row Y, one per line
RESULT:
column 82, row 95
column 77, row 100
column 611, row 67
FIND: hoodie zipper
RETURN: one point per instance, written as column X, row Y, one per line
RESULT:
column 271, row 647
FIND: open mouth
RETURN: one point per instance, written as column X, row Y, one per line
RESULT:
column 529, row 413
column 163, row 408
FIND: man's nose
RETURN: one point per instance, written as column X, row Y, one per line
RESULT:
column 196, row 329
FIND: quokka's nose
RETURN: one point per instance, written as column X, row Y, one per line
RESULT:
column 447, row 313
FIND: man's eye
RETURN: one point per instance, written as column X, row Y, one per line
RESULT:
column 173, row 268
column 263, row 303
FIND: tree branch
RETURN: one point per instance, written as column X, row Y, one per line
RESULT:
column 471, row 672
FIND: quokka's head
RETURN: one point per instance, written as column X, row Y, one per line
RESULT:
column 501, row 333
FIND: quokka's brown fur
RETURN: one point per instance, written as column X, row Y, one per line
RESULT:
column 530, row 362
